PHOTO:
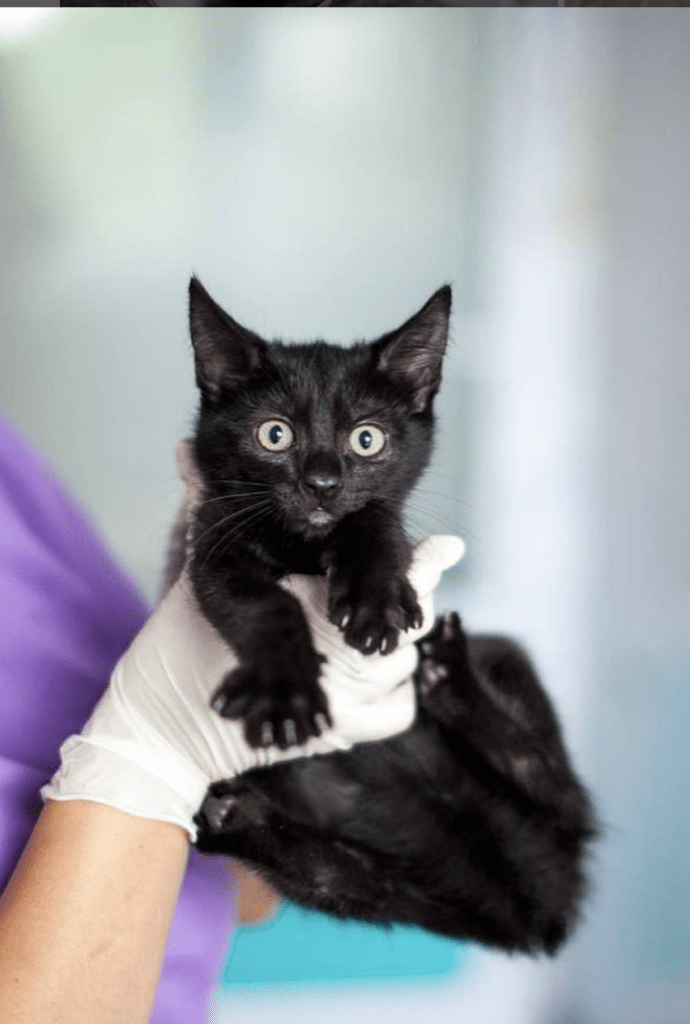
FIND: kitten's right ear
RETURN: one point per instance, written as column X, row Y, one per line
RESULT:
column 224, row 351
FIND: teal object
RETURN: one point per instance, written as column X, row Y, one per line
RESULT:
column 305, row 947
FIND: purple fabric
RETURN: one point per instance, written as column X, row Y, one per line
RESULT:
column 67, row 613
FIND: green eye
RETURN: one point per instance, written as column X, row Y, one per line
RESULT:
column 367, row 440
column 275, row 435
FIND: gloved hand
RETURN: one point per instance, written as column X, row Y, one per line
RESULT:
column 153, row 744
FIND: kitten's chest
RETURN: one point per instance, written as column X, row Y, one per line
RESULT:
column 287, row 553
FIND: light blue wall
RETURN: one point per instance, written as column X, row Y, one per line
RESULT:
column 638, row 951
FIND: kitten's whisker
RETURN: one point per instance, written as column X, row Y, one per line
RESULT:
column 432, row 513
column 225, row 541
column 221, row 522
column 240, row 527
column 421, row 491
column 421, row 516
column 237, row 480
column 236, row 497
column 264, row 502
column 419, row 499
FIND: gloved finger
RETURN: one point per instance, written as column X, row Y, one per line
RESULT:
column 430, row 558
column 357, row 720
column 191, row 478
column 188, row 472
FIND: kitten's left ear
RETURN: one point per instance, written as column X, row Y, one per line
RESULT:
column 414, row 353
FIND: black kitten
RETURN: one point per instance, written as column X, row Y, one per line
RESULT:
column 307, row 453
column 471, row 823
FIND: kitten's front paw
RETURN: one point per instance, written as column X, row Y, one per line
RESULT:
column 278, row 699
column 371, row 617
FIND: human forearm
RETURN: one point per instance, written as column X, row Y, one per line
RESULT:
column 256, row 900
column 85, row 918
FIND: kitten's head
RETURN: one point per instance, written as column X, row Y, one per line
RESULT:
column 326, row 429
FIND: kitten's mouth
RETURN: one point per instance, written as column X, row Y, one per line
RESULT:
column 320, row 517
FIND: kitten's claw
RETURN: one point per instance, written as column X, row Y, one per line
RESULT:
column 389, row 643
column 290, row 732
column 451, row 628
column 266, row 734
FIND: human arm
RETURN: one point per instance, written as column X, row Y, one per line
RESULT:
column 257, row 902
column 84, row 920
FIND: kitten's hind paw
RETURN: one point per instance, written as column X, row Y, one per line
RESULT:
column 216, row 811
column 443, row 653
column 229, row 809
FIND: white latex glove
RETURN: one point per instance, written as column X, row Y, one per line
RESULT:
column 153, row 744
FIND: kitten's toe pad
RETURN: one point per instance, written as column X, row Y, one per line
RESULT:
column 430, row 674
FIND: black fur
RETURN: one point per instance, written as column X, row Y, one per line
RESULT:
column 471, row 823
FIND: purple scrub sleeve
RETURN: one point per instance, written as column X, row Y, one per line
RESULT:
column 67, row 614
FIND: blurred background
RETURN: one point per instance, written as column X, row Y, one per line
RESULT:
column 323, row 173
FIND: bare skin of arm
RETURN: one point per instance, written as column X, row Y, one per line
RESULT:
column 256, row 900
column 84, row 921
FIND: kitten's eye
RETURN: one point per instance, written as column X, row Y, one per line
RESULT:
column 367, row 440
column 275, row 435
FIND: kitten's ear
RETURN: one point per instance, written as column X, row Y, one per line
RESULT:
column 224, row 352
column 414, row 353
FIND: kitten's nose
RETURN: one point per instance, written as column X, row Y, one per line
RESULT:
column 322, row 474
